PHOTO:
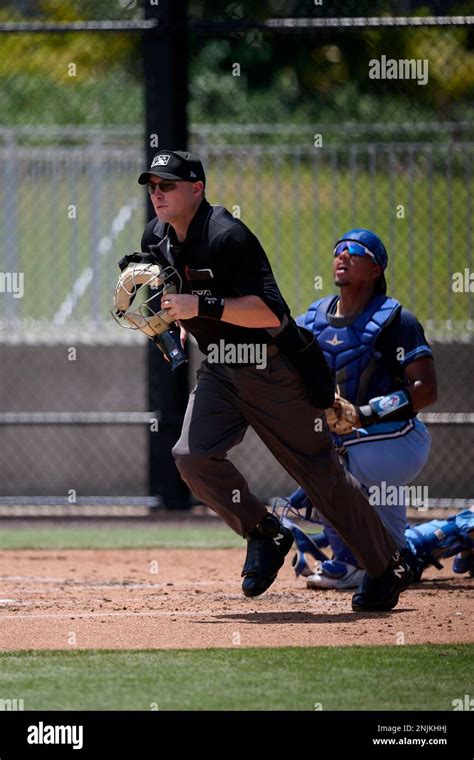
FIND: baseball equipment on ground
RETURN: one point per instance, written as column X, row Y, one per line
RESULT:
column 426, row 544
column 136, row 309
column 342, row 417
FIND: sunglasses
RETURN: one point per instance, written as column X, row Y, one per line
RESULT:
column 166, row 185
column 354, row 249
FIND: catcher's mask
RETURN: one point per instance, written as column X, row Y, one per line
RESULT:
column 136, row 309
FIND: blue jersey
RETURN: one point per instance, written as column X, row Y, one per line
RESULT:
column 367, row 353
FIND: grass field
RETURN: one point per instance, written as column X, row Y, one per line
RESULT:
column 290, row 678
column 119, row 538
column 417, row 677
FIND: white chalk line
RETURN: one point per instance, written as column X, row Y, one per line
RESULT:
column 85, row 278
column 78, row 585
column 72, row 615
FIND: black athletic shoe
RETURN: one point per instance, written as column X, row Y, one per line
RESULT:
column 381, row 593
column 267, row 548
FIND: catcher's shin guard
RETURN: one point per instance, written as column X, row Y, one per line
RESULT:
column 305, row 545
column 310, row 545
column 464, row 563
column 439, row 539
column 426, row 544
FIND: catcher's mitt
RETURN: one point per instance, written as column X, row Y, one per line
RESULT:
column 342, row 417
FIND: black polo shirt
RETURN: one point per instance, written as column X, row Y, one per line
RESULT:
column 219, row 257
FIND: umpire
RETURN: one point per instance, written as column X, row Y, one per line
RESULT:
column 261, row 370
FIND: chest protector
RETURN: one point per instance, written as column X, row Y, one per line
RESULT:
column 349, row 350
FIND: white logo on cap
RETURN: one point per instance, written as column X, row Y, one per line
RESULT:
column 192, row 174
column 161, row 160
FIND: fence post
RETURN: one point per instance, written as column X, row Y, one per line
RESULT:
column 165, row 64
column 11, row 217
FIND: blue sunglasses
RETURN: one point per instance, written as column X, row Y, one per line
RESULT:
column 354, row 249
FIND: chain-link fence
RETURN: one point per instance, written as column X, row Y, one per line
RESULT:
column 309, row 120
column 71, row 144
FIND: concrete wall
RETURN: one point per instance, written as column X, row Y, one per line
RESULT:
column 112, row 460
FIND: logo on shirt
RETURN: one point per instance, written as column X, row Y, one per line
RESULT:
column 161, row 160
column 334, row 341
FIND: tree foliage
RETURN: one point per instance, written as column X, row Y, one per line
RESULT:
column 317, row 76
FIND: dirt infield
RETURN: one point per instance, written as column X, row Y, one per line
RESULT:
column 191, row 598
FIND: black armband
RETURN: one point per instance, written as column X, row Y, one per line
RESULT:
column 390, row 408
column 211, row 306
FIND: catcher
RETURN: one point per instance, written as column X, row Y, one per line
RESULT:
column 385, row 374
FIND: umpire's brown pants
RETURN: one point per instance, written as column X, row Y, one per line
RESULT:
column 223, row 404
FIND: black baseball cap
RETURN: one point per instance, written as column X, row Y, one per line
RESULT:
column 174, row 164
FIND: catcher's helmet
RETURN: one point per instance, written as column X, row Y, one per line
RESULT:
column 375, row 245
